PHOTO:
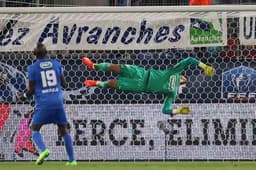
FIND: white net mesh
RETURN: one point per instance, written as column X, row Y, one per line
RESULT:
column 107, row 124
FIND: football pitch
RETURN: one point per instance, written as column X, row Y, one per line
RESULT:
column 131, row 166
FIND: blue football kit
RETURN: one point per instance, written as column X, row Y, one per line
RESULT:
column 46, row 75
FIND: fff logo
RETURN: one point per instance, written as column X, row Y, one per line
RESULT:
column 238, row 83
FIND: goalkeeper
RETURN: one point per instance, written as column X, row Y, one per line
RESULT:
column 132, row 78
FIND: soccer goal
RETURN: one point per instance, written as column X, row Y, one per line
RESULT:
column 108, row 124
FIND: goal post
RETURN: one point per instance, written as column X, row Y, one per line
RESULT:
column 108, row 124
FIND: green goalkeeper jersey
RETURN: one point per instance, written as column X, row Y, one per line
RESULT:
column 137, row 79
column 168, row 81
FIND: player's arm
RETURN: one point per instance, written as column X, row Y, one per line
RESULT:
column 62, row 78
column 63, row 81
column 31, row 88
column 29, row 92
column 180, row 66
column 31, row 85
column 167, row 106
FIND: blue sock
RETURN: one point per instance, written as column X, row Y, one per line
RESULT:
column 38, row 140
column 69, row 147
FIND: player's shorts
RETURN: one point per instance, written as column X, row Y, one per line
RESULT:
column 132, row 78
column 48, row 116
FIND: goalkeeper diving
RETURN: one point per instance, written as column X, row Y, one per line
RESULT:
column 136, row 79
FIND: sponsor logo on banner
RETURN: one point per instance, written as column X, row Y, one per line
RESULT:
column 143, row 31
column 247, row 31
column 239, row 83
column 203, row 31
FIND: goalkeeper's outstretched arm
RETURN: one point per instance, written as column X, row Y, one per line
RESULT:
column 167, row 106
column 180, row 66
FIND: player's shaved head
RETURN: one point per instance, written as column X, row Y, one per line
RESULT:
column 40, row 51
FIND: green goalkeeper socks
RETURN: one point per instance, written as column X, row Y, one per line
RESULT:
column 102, row 84
column 102, row 66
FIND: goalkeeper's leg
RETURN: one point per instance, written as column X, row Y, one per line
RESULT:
column 123, row 84
column 116, row 68
column 109, row 83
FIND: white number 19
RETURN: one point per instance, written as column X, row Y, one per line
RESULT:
column 48, row 78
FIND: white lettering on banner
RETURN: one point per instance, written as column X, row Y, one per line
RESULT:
column 206, row 38
column 144, row 31
column 241, row 95
column 247, row 29
column 130, row 132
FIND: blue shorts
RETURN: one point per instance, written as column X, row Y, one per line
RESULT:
column 48, row 116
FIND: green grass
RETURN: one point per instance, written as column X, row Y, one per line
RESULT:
column 131, row 166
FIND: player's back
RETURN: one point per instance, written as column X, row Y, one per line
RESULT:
column 46, row 75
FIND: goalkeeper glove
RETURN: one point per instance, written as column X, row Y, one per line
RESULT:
column 182, row 110
column 208, row 70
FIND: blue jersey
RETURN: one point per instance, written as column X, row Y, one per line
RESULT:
column 46, row 75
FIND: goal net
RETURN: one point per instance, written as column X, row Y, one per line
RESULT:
column 108, row 124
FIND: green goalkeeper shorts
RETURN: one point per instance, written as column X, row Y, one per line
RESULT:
column 132, row 78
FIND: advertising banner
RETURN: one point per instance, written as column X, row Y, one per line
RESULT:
column 133, row 132
column 247, row 28
column 111, row 31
